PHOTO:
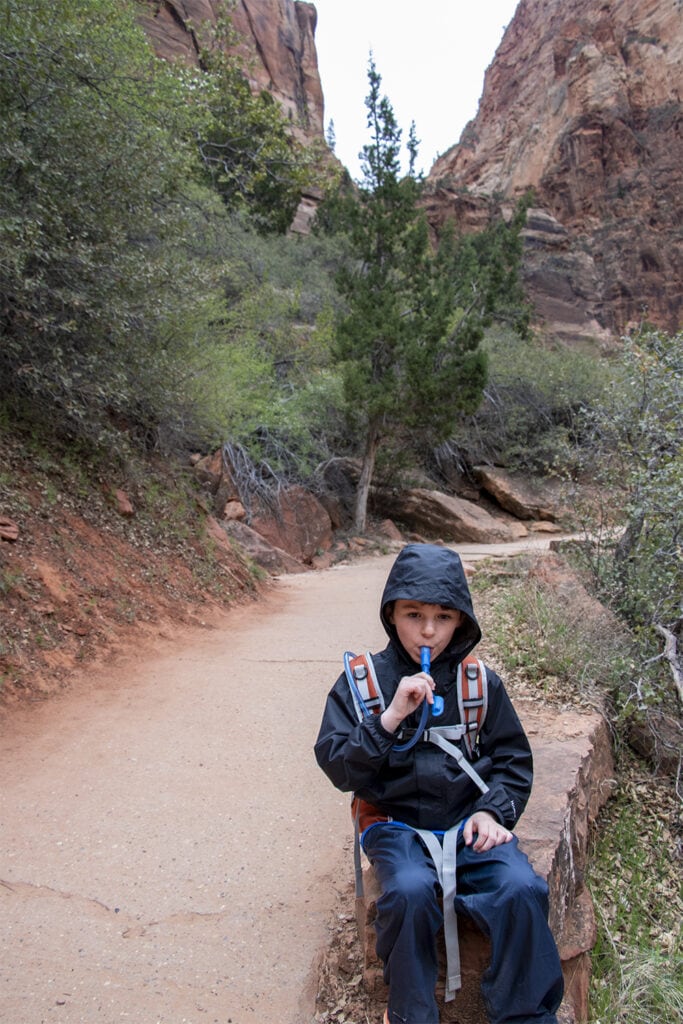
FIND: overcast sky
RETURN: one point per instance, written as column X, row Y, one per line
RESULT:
column 431, row 54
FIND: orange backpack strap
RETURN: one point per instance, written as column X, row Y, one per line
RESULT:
column 368, row 698
column 472, row 699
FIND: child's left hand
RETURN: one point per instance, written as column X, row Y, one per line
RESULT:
column 489, row 832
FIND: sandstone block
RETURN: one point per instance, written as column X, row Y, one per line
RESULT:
column 517, row 494
column 271, row 558
column 436, row 515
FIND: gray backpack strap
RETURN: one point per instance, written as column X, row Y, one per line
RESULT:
column 444, row 858
column 435, row 735
column 357, row 862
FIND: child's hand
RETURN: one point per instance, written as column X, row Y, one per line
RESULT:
column 411, row 691
column 489, row 832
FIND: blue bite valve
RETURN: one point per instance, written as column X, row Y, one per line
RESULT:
column 426, row 663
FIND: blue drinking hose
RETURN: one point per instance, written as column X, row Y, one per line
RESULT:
column 435, row 709
column 426, row 663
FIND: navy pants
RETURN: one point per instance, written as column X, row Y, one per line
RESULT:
column 499, row 890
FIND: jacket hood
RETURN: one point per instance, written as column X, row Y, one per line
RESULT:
column 435, row 575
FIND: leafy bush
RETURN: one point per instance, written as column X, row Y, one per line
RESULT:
column 95, row 150
column 261, row 378
column 634, row 879
column 530, row 416
column 246, row 145
column 549, row 643
column 566, row 645
column 636, row 456
column 113, row 306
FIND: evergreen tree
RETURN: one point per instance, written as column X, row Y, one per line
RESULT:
column 408, row 338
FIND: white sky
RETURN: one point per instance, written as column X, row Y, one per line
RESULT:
column 431, row 54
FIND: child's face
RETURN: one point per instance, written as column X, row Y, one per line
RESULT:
column 424, row 625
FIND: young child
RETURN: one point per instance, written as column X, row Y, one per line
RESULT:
column 427, row 603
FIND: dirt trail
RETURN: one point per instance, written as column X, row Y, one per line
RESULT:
column 170, row 852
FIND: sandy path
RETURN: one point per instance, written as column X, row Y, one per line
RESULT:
column 169, row 850
column 169, row 847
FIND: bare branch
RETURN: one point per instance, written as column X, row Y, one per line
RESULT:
column 672, row 656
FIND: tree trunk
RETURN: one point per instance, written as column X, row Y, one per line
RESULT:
column 367, row 469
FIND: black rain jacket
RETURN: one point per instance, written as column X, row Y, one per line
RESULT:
column 423, row 787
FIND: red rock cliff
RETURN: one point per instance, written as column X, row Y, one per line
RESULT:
column 277, row 40
column 583, row 103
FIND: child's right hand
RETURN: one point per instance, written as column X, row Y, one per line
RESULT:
column 410, row 693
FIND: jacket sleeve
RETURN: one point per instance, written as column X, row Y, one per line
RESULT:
column 503, row 740
column 349, row 751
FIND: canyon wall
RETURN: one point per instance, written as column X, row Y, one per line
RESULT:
column 276, row 39
column 582, row 103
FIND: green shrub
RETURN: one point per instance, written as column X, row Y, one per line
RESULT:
column 261, row 377
column 96, row 169
column 636, row 554
column 634, row 879
column 562, row 646
column 115, row 250
column 530, row 416
column 246, row 144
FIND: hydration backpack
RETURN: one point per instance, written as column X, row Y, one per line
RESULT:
column 471, row 683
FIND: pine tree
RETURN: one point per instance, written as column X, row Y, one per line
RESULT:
column 408, row 337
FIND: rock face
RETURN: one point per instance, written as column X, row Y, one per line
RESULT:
column 277, row 40
column 420, row 508
column 582, row 103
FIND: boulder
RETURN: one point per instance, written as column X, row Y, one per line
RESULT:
column 269, row 557
column 658, row 737
column 436, row 515
column 519, row 495
column 123, row 503
column 234, row 509
column 573, row 779
column 296, row 522
column 388, row 528
column 216, row 474
column 543, row 526
column 209, row 471
column 300, row 525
